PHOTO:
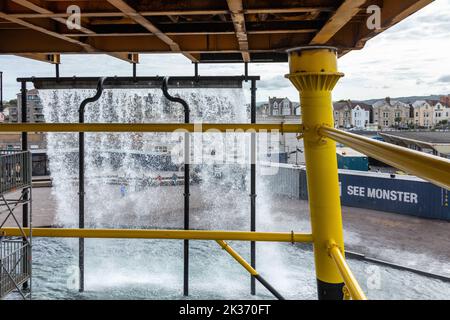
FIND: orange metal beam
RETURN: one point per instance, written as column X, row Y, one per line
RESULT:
column 30, row 5
column 134, row 15
column 238, row 17
column 347, row 10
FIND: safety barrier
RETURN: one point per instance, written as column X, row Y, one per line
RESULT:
column 14, row 170
column 351, row 284
column 151, row 127
column 429, row 167
column 15, row 265
column 161, row 234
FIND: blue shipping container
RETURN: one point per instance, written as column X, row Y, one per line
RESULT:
column 406, row 195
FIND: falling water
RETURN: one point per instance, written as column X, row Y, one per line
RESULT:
column 122, row 189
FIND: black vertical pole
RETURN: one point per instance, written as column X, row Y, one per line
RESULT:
column 81, row 200
column 81, row 179
column 57, row 70
column 24, row 119
column 186, row 204
column 253, row 186
column 134, row 71
column 186, row 183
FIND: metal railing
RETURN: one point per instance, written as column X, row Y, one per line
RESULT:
column 352, row 289
column 431, row 168
column 15, row 264
column 14, row 170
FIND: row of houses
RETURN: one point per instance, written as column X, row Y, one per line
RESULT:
column 382, row 114
column 391, row 114
column 279, row 107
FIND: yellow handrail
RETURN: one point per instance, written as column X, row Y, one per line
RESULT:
column 237, row 257
column 350, row 281
column 162, row 234
column 149, row 127
column 432, row 168
column 225, row 246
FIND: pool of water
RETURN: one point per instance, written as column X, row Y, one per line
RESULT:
column 152, row 269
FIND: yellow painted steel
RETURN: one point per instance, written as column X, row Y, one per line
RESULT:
column 161, row 234
column 314, row 73
column 351, row 284
column 432, row 168
column 225, row 246
column 148, row 127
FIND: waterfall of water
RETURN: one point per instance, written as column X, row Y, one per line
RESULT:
column 123, row 185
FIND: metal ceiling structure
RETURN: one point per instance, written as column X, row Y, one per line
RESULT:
column 201, row 30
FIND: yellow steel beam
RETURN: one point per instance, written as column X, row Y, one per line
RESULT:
column 148, row 127
column 432, row 168
column 314, row 73
column 350, row 281
column 161, row 234
column 237, row 257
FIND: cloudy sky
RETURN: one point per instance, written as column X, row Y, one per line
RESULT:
column 412, row 58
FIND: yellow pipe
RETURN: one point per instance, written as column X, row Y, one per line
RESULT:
column 148, row 127
column 432, row 168
column 351, row 284
column 249, row 268
column 237, row 257
column 161, row 234
column 313, row 71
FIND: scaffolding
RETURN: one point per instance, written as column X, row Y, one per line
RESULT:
column 314, row 73
column 15, row 251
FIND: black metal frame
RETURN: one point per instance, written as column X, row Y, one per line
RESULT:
column 187, row 194
column 81, row 168
column 213, row 82
column 253, row 185
column 158, row 83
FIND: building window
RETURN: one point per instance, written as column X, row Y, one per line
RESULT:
column 286, row 110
